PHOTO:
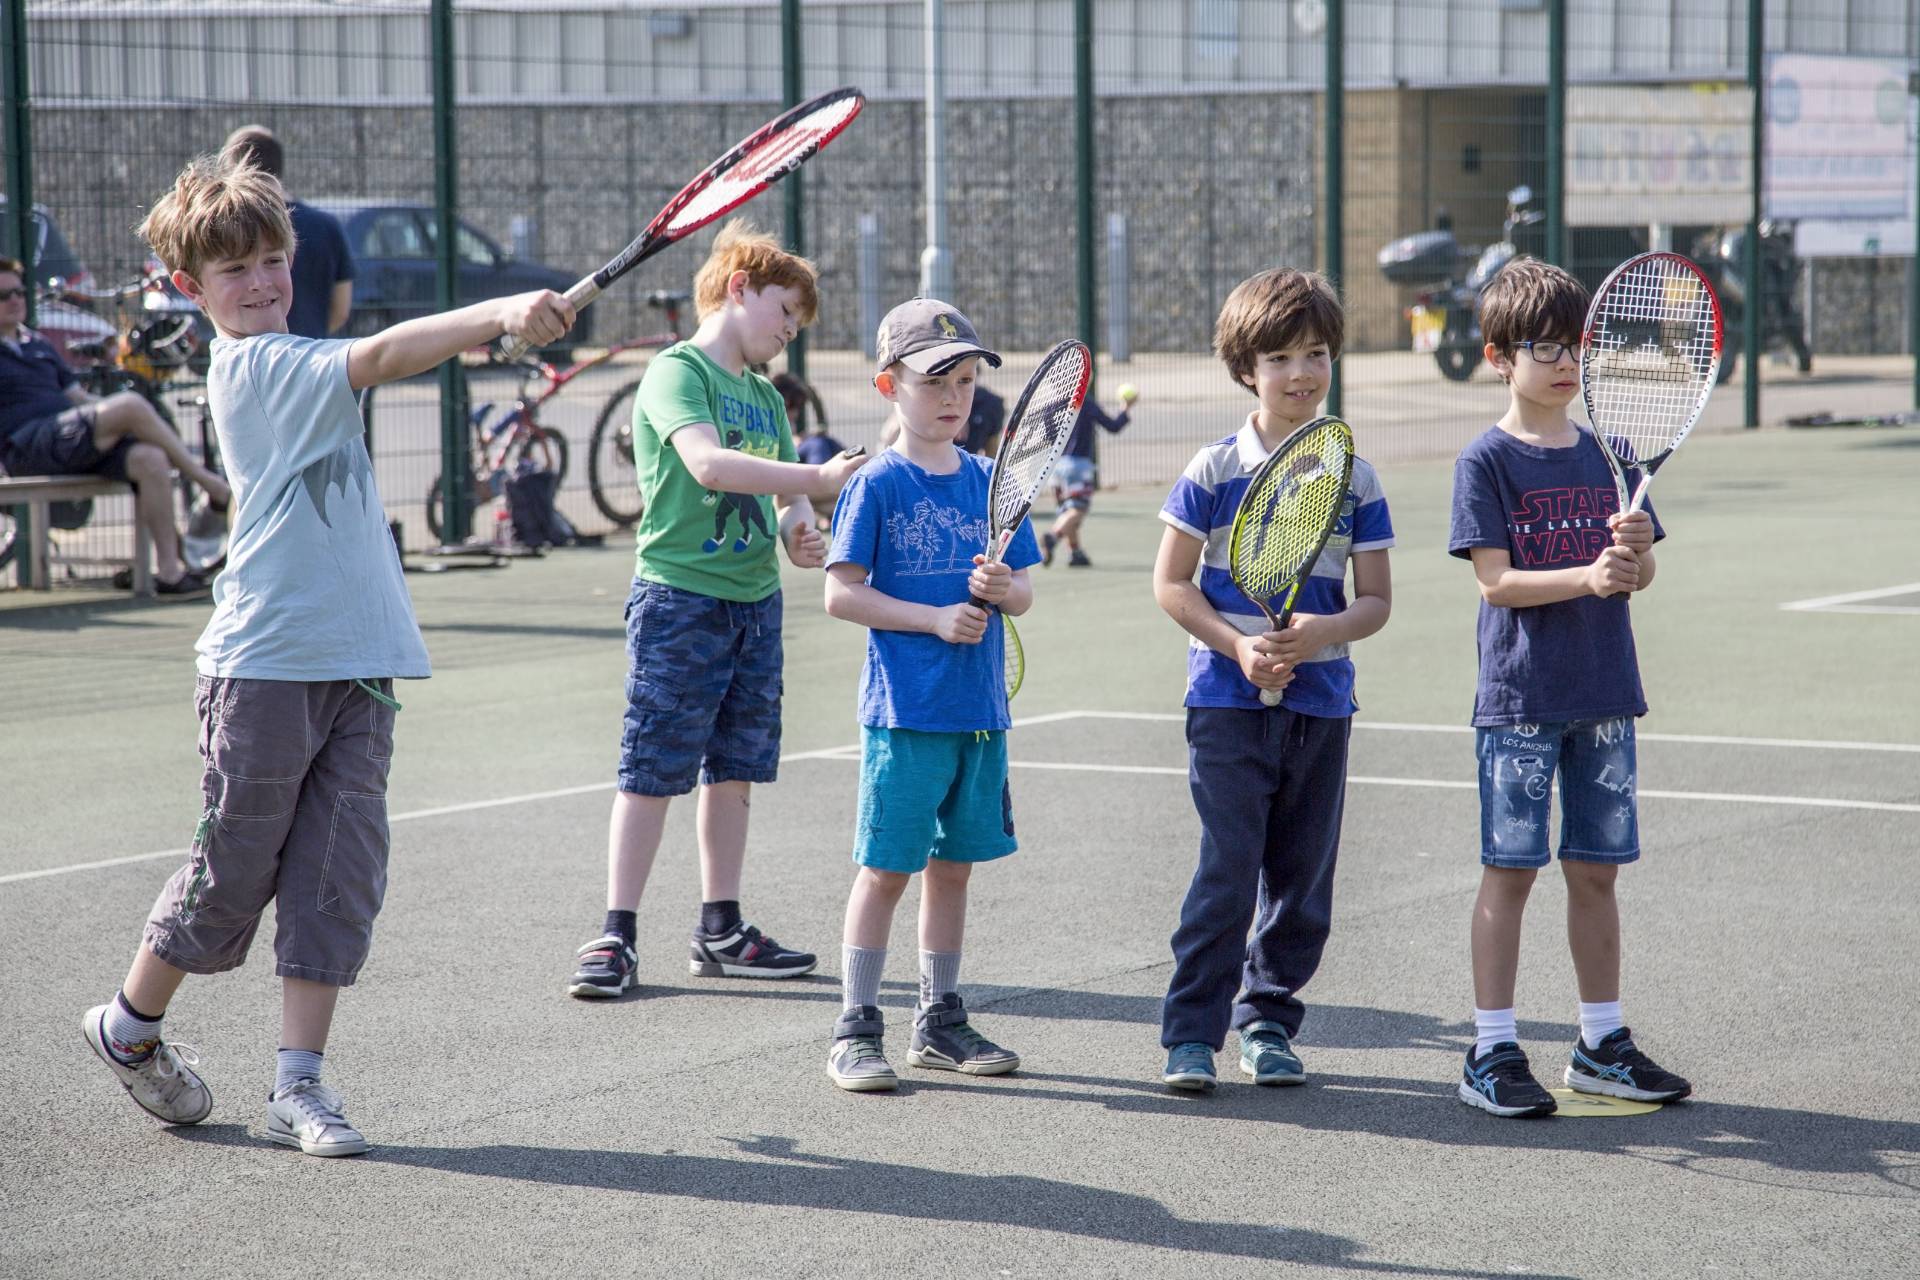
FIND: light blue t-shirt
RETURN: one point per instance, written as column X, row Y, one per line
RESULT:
column 916, row 534
column 312, row 589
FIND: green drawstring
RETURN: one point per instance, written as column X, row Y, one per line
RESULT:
column 378, row 696
column 980, row 735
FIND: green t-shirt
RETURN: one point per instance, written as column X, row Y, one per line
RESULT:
column 697, row 539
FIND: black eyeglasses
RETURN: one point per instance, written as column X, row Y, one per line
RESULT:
column 8, row 295
column 1550, row 352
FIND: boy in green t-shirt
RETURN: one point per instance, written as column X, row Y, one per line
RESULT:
column 711, row 444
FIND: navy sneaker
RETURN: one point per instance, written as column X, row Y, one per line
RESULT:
column 1078, row 560
column 943, row 1040
column 1501, row 1083
column 605, row 969
column 856, row 1061
column 745, row 952
column 1618, row 1069
column 1267, row 1055
column 1047, row 544
column 1190, row 1067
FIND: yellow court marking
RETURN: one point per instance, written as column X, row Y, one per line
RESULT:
column 1580, row 1105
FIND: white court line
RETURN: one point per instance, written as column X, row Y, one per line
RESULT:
column 1711, row 739
column 1454, row 784
column 1850, row 602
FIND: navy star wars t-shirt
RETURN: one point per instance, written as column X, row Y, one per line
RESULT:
column 1548, row 509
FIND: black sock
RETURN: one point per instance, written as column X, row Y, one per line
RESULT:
column 623, row 925
column 719, row 917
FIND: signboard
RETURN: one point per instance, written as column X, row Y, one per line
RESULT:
column 1642, row 154
column 1837, row 138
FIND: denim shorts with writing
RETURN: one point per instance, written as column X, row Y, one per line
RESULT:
column 1598, row 818
column 703, row 690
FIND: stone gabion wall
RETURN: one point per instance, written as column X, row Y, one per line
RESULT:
column 1860, row 306
column 1214, row 188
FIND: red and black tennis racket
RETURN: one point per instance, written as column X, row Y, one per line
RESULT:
column 755, row 163
column 1037, row 432
column 1649, row 359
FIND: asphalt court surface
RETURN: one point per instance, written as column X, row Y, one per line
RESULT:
column 690, row 1129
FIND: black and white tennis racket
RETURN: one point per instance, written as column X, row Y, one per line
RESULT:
column 1037, row 432
column 755, row 163
column 1650, row 355
column 1290, row 509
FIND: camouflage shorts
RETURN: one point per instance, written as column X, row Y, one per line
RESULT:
column 703, row 690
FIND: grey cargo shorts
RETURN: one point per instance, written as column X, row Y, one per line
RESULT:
column 296, row 810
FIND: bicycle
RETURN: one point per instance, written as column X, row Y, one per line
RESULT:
column 514, row 438
column 610, row 467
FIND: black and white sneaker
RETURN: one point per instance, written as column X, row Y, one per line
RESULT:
column 1617, row 1068
column 1500, row 1082
column 606, row 968
column 745, row 952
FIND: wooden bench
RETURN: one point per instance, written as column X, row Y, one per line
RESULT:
column 32, row 497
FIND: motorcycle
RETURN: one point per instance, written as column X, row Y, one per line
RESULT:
column 1721, row 256
column 1444, row 319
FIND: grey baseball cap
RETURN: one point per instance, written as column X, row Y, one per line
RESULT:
column 928, row 336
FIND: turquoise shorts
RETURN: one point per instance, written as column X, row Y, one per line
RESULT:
column 939, row 795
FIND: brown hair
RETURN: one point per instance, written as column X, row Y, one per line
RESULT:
column 739, row 247
column 1275, row 310
column 217, row 209
column 15, row 266
column 255, row 144
column 1532, row 299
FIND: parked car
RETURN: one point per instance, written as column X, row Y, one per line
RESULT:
column 393, row 253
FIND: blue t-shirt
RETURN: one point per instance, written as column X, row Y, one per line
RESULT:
column 321, row 260
column 916, row 534
column 1202, row 505
column 313, row 588
column 1547, row 509
column 818, row 449
column 1080, row 443
column 33, row 381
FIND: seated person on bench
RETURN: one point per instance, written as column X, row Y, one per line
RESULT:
column 51, row 426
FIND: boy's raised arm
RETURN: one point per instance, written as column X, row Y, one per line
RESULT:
column 415, row 346
column 713, row 466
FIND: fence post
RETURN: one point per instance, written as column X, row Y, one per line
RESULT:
column 1085, row 303
column 868, row 262
column 1336, row 107
column 455, row 505
column 19, row 144
column 936, row 264
column 1119, row 284
column 1756, row 286
column 791, row 77
column 1557, row 132
column 1913, row 274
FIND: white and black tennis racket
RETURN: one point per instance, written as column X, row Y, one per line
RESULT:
column 1650, row 355
column 1037, row 432
column 1290, row 509
column 755, row 163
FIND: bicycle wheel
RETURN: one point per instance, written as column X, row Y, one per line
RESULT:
column 610, row 469
column 478, row 496
column 544, row 449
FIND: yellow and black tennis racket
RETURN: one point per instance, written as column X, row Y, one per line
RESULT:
column 1014, row 657
column 1289, row 511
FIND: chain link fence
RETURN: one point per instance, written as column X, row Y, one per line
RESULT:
column 576, row 119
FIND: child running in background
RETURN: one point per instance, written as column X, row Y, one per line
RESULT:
column 906, row 562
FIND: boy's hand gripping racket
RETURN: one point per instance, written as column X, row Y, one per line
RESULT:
column 1290, row 509
column 1651, row 353
column 755, row 163
column 1037, row 431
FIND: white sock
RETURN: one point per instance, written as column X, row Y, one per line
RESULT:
column 292, row 1066
column 1598, row 1021
column 1491, row 1026
column 862, row 966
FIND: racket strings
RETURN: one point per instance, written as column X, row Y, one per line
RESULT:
column 1038, row 436
column 772, row 159
column 1652, row 351
column 1287, row 511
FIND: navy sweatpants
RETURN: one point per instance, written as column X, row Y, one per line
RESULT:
column 1269, row 786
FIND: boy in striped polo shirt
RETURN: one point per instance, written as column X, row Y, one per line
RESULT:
column 1268, row 781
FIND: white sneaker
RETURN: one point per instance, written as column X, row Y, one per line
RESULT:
column 164, row 1085
column 307, row 1115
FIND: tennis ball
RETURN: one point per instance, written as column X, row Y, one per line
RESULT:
column 1128, row 393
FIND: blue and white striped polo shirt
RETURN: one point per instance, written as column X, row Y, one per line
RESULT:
column 1202, row 505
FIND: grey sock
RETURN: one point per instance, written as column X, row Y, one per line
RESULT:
column 939, row 975
column 862, row 966
column 295, row 1065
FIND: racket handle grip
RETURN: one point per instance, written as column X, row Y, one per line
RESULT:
column 1271, row 697
column 580, row 295
column 978, row 603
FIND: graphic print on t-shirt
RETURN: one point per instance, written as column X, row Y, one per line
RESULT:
column 347, row 463
column 751, row 429
column 1563, row 526
column 934, row 539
